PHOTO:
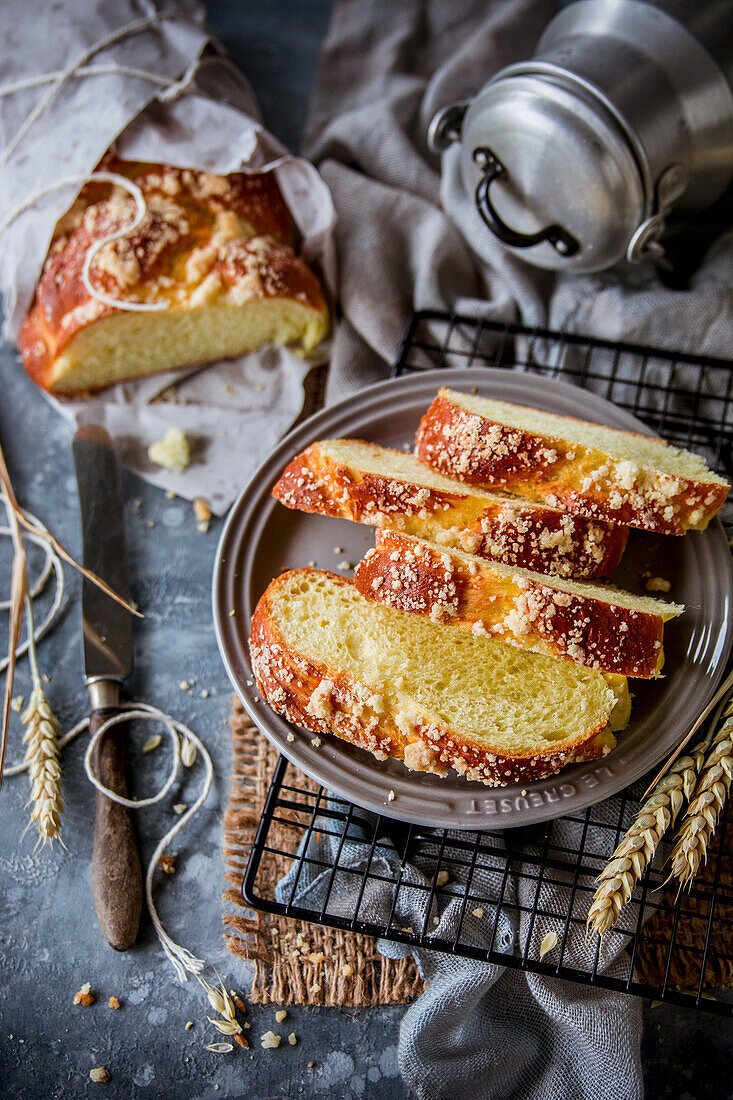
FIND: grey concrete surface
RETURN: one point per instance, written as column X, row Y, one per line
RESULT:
column 49, row 940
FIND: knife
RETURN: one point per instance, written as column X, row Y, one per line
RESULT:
column 117, row 883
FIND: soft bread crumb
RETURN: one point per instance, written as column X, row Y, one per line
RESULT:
column 100, row 1075
column 173, row 451
column 270, row 1040
column 658, row 584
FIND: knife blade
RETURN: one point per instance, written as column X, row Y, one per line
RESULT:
column 108, row 660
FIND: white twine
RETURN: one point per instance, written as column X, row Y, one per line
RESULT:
column 182, row 960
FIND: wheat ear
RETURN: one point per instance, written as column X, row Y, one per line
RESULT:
column 636, row 850
column 706, row 805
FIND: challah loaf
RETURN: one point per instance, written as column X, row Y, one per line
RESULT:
column 599, row 627
column 433, row 696
column 571, row 464
column 349, row 479
column 217, row 251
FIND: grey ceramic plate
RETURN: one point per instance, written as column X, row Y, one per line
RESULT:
column 261, row 537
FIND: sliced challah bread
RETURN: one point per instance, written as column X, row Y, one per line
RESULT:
column 433, row 696
column 349, row 479
column 599, row 627
column 585, row 468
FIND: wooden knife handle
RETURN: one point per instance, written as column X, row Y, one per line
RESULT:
column 117, row 879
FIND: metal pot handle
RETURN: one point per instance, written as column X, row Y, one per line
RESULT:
column 562, row 241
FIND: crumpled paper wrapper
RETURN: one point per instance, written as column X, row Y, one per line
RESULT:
column 205, row 117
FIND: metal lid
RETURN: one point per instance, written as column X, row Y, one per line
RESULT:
column 554, row 175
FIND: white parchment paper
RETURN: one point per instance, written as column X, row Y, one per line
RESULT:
column 192, row 109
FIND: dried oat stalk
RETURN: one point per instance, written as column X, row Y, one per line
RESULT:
column 706, row 805
column 635, row 852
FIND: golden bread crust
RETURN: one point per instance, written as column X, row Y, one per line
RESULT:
column 533, row 536
column 322, row 700
column 204, row 239
column 567, row 475
column 431, row 581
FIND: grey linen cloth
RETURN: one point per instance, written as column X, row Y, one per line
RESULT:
column 385, row 70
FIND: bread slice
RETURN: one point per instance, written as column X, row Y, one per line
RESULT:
column 350, row 479
column 585, row 468
column 215, row 251
column 433, row 696
column 596, row 626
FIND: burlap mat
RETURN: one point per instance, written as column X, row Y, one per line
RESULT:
column 352, row 972
column 337, row 968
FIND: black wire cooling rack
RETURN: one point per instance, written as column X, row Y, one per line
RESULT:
column 676, row 949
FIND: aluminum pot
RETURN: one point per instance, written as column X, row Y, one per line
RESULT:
column 577, row 156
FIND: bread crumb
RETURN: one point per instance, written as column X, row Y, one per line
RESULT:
column 150, row 523
column 311, row 564
column 347, row 970
column 441, row 878
column 280, row 1015
column 167, row 865
column 316, row 742
column 172, row 452
column 291, row 737
column 343, row 566
column 202, row 527
column 184, row 685
column 205, row 693
column 201, row 510
column 658, row 584
column 477, row 912
column 338, row 550
column 292, row 1038
column 84, row 996
column 113, row 1002
column 17, row 703
column 231, row 613
column 316, row 956
column 170, row 495
column 189, row 1025
column 180, row 807
column 270, row 1040
column 99, row 1074
column 391, row 796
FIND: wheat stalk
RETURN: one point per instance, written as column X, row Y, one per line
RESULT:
column 707, row 802
column 18, row 601
column 636, row 850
